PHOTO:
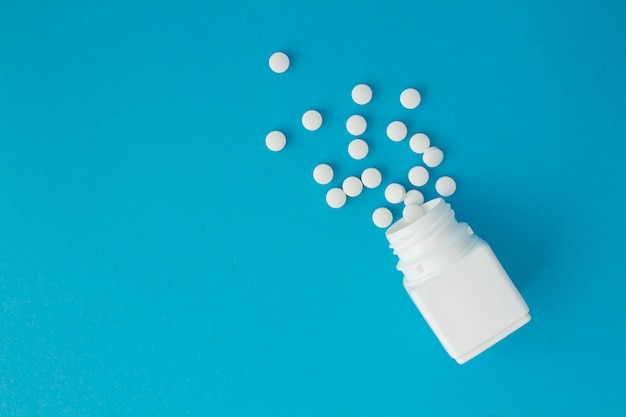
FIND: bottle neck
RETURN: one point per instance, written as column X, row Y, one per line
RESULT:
column 430, row 242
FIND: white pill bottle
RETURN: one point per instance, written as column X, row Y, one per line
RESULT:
column 456, row 282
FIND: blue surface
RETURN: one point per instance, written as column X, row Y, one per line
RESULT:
column 156, row 259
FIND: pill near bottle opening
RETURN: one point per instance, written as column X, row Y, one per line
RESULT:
column 356, row 124
column 323, row 174
column 361, row 94
column 358, row 149
column 413, row 197
column 336, row 197
column 410, row 98
column 394, row 193
column 382, row 217
column 311, row 120
column 352, row 186
column 396, row 131
column 371, row 177
column 419, row 142
column 279, row 62
column 445, row 186
column 432, row 157
column 275, row 140
column 418, row 176
column 412, row 212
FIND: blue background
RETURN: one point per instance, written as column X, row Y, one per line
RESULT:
column 157, row 259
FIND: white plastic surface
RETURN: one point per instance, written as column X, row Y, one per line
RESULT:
column 371, row 177
column 356, row 124
column 279, row 62
column 311, row 120
column 362, row 94
column 358, row 149
column 275, row 140
column 456, row 282
column 352, row 186
column 410, row 98
column 323, row 174
column 396, row 131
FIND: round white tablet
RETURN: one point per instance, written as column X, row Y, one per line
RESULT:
column 311, row 120
column 419, row 142
column 413, row 197
column 382, row 217
column 394, row 193
column 432, row 156
column 418, row 176
column 279, row 62
column 356, row 124
column 396, row 131
column 371, row 177
column 445, row 186
column 362, row 94
column 352, row 186
column 412, row 212
column 275, row 140
column 410, row 98
column 358, row 149
column 323, row 174
column 336, row 198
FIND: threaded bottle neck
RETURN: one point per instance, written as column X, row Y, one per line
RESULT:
column 427, row 244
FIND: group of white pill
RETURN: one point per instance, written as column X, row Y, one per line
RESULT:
column 358, row 149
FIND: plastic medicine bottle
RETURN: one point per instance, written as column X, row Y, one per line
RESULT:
column 456, row 282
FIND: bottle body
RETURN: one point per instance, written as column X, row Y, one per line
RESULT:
column 456, row 282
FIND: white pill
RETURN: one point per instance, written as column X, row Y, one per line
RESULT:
column 356, row 124
column 410, row 98
column 445, row 186
column 311, row 120
column 412, row 212
column 382, row 217
column 396, row 131
column 358, row 149
column 323, row 174
column 419, row 142
column 413, row 197
column 336, row 198
column 279, row 62
column 275, row 140
column 394, row 193
column 352, row 186
column 362, row 94
column 418, row 176
column 432, row 156
column 371, row 177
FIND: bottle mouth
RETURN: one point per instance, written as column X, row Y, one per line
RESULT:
column 402, row 228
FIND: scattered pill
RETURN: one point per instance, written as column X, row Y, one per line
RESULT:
column 356, row 124
column 362, row 94
column 336, row 197
column 323, row 174
column 358, row 149
column 275, row 140
column 418, row 176
column 371, row 177
column 394, row 193
column 445, row 186
column 419, row 142
column 311, row 120
column 432, row 156
column 396, row 131
column 413, row 197
column 279, row 62
column 410, row 98
column 382, row 217
column 412, row 212
column 352, row 186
